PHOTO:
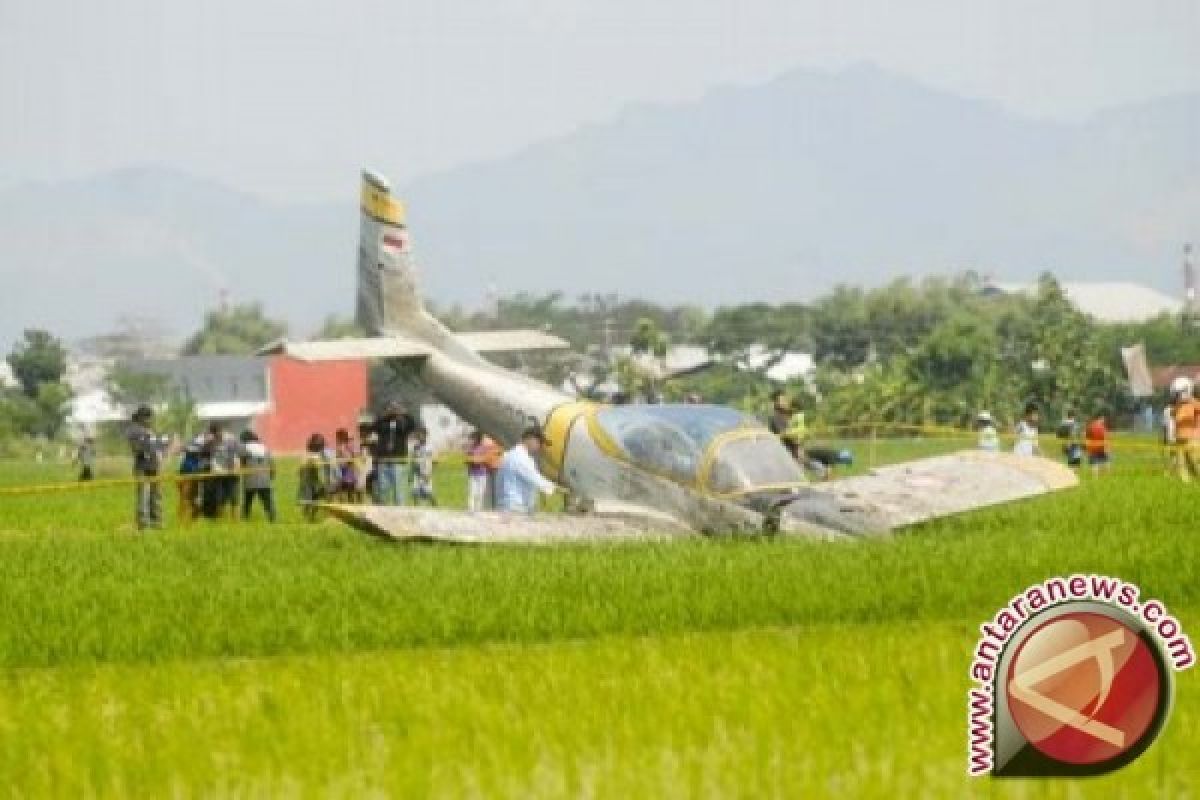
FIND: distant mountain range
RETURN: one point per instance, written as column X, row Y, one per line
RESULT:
column 772, row 192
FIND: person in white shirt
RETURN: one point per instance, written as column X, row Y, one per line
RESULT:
column 989, row 439
column 518, row 481
column 1027, row 432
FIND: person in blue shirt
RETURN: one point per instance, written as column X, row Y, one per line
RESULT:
column 518, row 480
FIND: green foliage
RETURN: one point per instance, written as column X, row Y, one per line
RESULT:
column 19, row 415
column 1168, row 338
column 723, row 384
column 38, row 358
column 585, row 323
column 39, row 362
column 51, row 405
column 335, row 327
column 240, row 330
column 131, row 388
column 647, row 339
column 940, row 354
column 128, row 387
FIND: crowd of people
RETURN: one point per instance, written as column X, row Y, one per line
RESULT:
column 1078, row 442
column 1090, row 442
column 221, row 475
column 389, row 462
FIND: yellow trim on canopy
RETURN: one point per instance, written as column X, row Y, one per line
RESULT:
column 557, row 429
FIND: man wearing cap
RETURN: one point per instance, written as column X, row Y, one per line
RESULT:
column 1186, row 416
column 781, row 420
column 149, row 450
column 518, row 480
column 392, row 431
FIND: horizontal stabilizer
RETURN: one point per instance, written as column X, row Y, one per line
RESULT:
column 501, row 527
column 350, row 349
column 400, row 346
column 511, row 341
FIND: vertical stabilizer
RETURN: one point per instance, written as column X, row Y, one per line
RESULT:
column 387, row 288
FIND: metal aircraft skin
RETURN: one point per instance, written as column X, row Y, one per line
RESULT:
column 639, row 470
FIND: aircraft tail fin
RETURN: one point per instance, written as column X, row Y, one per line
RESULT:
column 389, row 307
column 388, row 299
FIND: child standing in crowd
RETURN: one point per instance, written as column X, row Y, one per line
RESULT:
column 366, row 460
column 196, row 461
column 1027, row 432
column 85, row 457
column 346, row 455
column 258, row 473
column 422, row 468
column 478, row 459
column 989, row 438
column 1068, row 433
column 219, row 491
column 1096, row 442
column 149, row 449
column 314, row 476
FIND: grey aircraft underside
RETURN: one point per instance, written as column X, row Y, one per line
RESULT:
column 640, row 470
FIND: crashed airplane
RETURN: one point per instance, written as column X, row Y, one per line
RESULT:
column 640, row 470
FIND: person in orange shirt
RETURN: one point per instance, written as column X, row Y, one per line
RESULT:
column 1186, row 415
column 483, row 459
column 1095, row 439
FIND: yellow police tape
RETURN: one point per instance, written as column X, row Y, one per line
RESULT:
column 863, row 433
column 177, row 478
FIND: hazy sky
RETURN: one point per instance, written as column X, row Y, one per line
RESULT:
column 288, row 98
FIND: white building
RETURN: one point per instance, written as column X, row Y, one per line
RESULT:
column 1109, row 301
column 789, row 366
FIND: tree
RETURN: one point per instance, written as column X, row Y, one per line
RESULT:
column 51, row 404
column 131, row 388
column 647, row 339
column 38, row 362
column 38, row 358
column 841, row 328
column 240, row 330
column 335, row 327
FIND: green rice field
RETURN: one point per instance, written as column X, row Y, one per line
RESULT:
column 308, row 660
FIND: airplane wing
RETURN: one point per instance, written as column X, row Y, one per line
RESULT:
column 349, row 349
column 511, row 341
column 399, row 346
column 404, row 523
column 905, row 494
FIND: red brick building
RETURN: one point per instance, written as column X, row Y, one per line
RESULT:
column 308, row 397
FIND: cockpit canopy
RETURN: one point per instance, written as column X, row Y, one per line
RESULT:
column 713, row 448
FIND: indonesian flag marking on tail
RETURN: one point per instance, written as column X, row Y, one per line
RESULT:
column 394, row 241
